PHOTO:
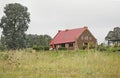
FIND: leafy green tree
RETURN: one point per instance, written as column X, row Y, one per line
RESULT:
column 114, row 36
column 14, row 24
column 47, row 40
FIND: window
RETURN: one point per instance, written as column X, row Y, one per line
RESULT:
column 62, row 45
column 89, row 37
column 70, row 44
column 82, row 37
column 86, row 37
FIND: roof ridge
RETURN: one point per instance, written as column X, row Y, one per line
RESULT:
column 75, row 28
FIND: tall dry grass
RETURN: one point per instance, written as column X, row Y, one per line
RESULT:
column 61, row 64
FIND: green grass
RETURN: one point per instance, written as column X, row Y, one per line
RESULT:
column 61, row 64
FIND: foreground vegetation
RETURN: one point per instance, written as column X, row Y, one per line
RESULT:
column 61, row 64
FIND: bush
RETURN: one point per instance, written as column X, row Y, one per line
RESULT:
column 62, row 48
column 102, row 48
column 109, row 48
column 2, row 48
column 83, row 47
column 46, row 48
column 115, row 49
column 38, row 48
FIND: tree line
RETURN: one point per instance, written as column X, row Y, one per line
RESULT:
column 30, row 41
column 37, row 40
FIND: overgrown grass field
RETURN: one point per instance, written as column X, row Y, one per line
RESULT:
column 61, row 64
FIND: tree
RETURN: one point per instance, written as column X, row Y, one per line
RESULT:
column 14, row 24
column 47, row 40
column 113, row 36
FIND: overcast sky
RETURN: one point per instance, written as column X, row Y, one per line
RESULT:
column 49, row 16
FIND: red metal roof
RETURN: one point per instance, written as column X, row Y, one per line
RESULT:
column 67, row 35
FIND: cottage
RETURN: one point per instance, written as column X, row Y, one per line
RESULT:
column 73, row 39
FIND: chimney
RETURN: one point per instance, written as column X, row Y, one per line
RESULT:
column 86, row 27
column 67, row 30
column 59, row 30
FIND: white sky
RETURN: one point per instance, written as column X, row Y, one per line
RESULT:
column 49, row 16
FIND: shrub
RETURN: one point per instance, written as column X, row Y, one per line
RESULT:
column 46, row 48
column 2, row 48
column 115, row 49
column 38, row 48
column 62, row 48
column 83, row 47
column 102, row 48
column 109, row 48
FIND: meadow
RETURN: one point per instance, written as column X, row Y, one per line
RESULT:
column 60, row 64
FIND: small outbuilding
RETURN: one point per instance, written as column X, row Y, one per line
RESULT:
column 73, row 39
